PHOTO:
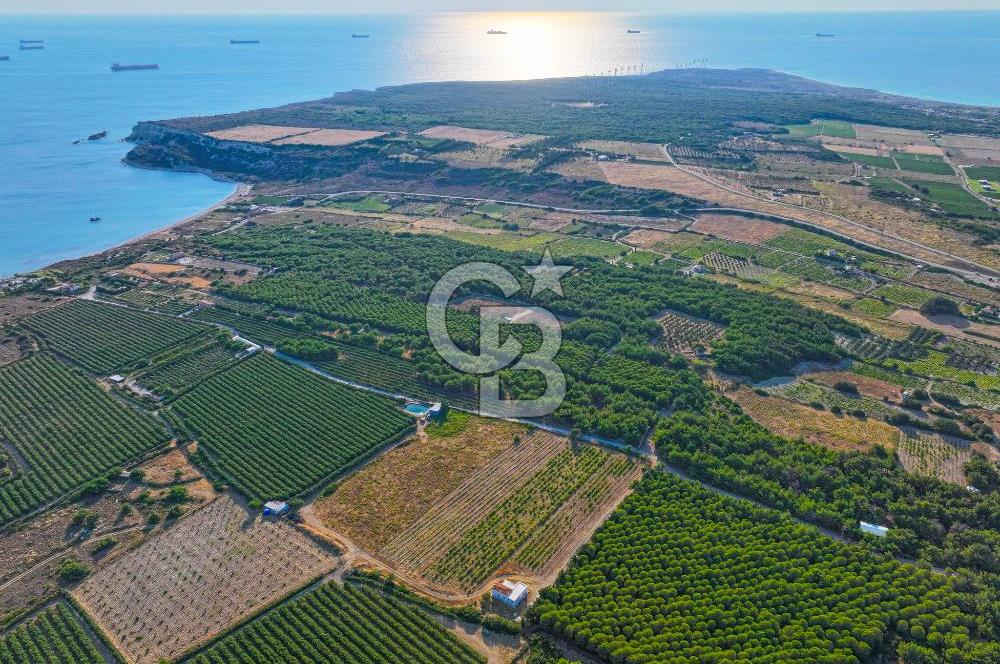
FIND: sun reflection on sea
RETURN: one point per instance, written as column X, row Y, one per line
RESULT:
column 536, row 44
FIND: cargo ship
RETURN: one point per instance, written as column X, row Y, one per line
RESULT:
column 117, row 67
column 31, row 47
column 244, row 41
column 825, row 34
column 32, row 41
column 496, row 32
column 359, row 35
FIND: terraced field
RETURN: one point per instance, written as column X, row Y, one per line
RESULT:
column 103, row 337
column 276, row 430
column 67, row 433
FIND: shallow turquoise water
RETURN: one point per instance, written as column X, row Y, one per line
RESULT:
column 49, row 187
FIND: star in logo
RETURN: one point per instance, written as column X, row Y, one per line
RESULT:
column 547, row 275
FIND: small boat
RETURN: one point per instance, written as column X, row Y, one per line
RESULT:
column 117, row 67
column 95, row 218
column 31, row 47
column 32, row 41
column 98, row 136
column 4, row 57
column 825, row 34
column 633, row 32
column 496, row 32
column 360, row 35
column 244, row 41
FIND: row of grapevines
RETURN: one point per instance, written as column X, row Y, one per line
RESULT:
column 66, row 432
column 341, row 625
column 276, row 429
column 103, row 338
column 51, row 637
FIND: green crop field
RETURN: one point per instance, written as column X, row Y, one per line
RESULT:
column 505, row 241
column 952, row 198
column 902, row 294
column 870, row 160
column 923, row 164
column 991, row 173
column 681, row 574
column 276, row 430
column 934, row 365
column 103, row 338
column 874, row 307
column 371, row 203
column 808, row 244
column 51, row 637
column 341, row 625
column 585, row 246
column 67, row 431
column 810, row 393
column 249, row 325
column 831, row 128
column 188, row 368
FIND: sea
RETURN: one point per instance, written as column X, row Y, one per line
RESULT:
column 50, row 98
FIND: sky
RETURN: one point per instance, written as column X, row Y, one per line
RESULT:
column 409, row 6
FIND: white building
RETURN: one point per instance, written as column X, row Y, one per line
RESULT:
column 872, row 529
column 510, row 593
column 275, row 508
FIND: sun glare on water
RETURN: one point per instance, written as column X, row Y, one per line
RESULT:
column 539, row 44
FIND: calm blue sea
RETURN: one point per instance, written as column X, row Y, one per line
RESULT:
column 50, row 187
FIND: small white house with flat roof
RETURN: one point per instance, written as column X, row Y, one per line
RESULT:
column 275, row 508
column 510, row 593
column 873, row 529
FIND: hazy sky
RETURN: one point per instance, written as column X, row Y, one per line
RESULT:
column 409, row 6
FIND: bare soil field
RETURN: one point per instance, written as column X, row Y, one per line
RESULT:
column 387, row 496
column 819, row 290
column 801, row 165
column 483, row 156
column 953, row 326
column 553, row 221
column 22, row 306
column 665, row 177
column 169, row 468
column 646, row 238
column 793, row 420
column 645, row 151
column 953, row 285
column 736, row 228
column 856, row 204
column 196, row 578
column 922, row 149
column 852, row 149
column 496, row 139
column 580, row 170
column 891, row 135
column 867, row 387
column 10, row 351
column 157, row 269
column 329, row 137
column 256, row 133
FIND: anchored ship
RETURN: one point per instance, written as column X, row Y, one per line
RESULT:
column 358, row 35
column 118, row 67
column 244, row 41
column 633, row 32
column 31, row 47
column 824, row 34
column 32, row 41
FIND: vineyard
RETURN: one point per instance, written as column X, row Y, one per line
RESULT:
column 935, row 364
column 814, row 270
column 188, row 368
column 276, row 430
column 681, row 574
column 874, row 307
column 931, row 454
column 683, row 333
column 527, row 496
column 388, row 495
column 586, row 247
column 811, row 393
column 904, row 295
column 51, row 637
column 739, row 267
column 103, row 337
column 67, row 431
column 200, row 576
column 343, row 624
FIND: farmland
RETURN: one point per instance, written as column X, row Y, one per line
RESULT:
column 68, row 432
column 796, row 421
column 736, row 228
column 102, row 338
column 684, row 334
column 186, row 369
column 51, row 637
column 640, row 591
column 809, row 393
column 931, row 454
column 387, row 496
column 276, row 430
column 903, row 294
column 465, row 536
column 200, row 576
column 366, row 627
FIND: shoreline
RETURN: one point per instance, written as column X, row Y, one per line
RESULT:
column 242, row 189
